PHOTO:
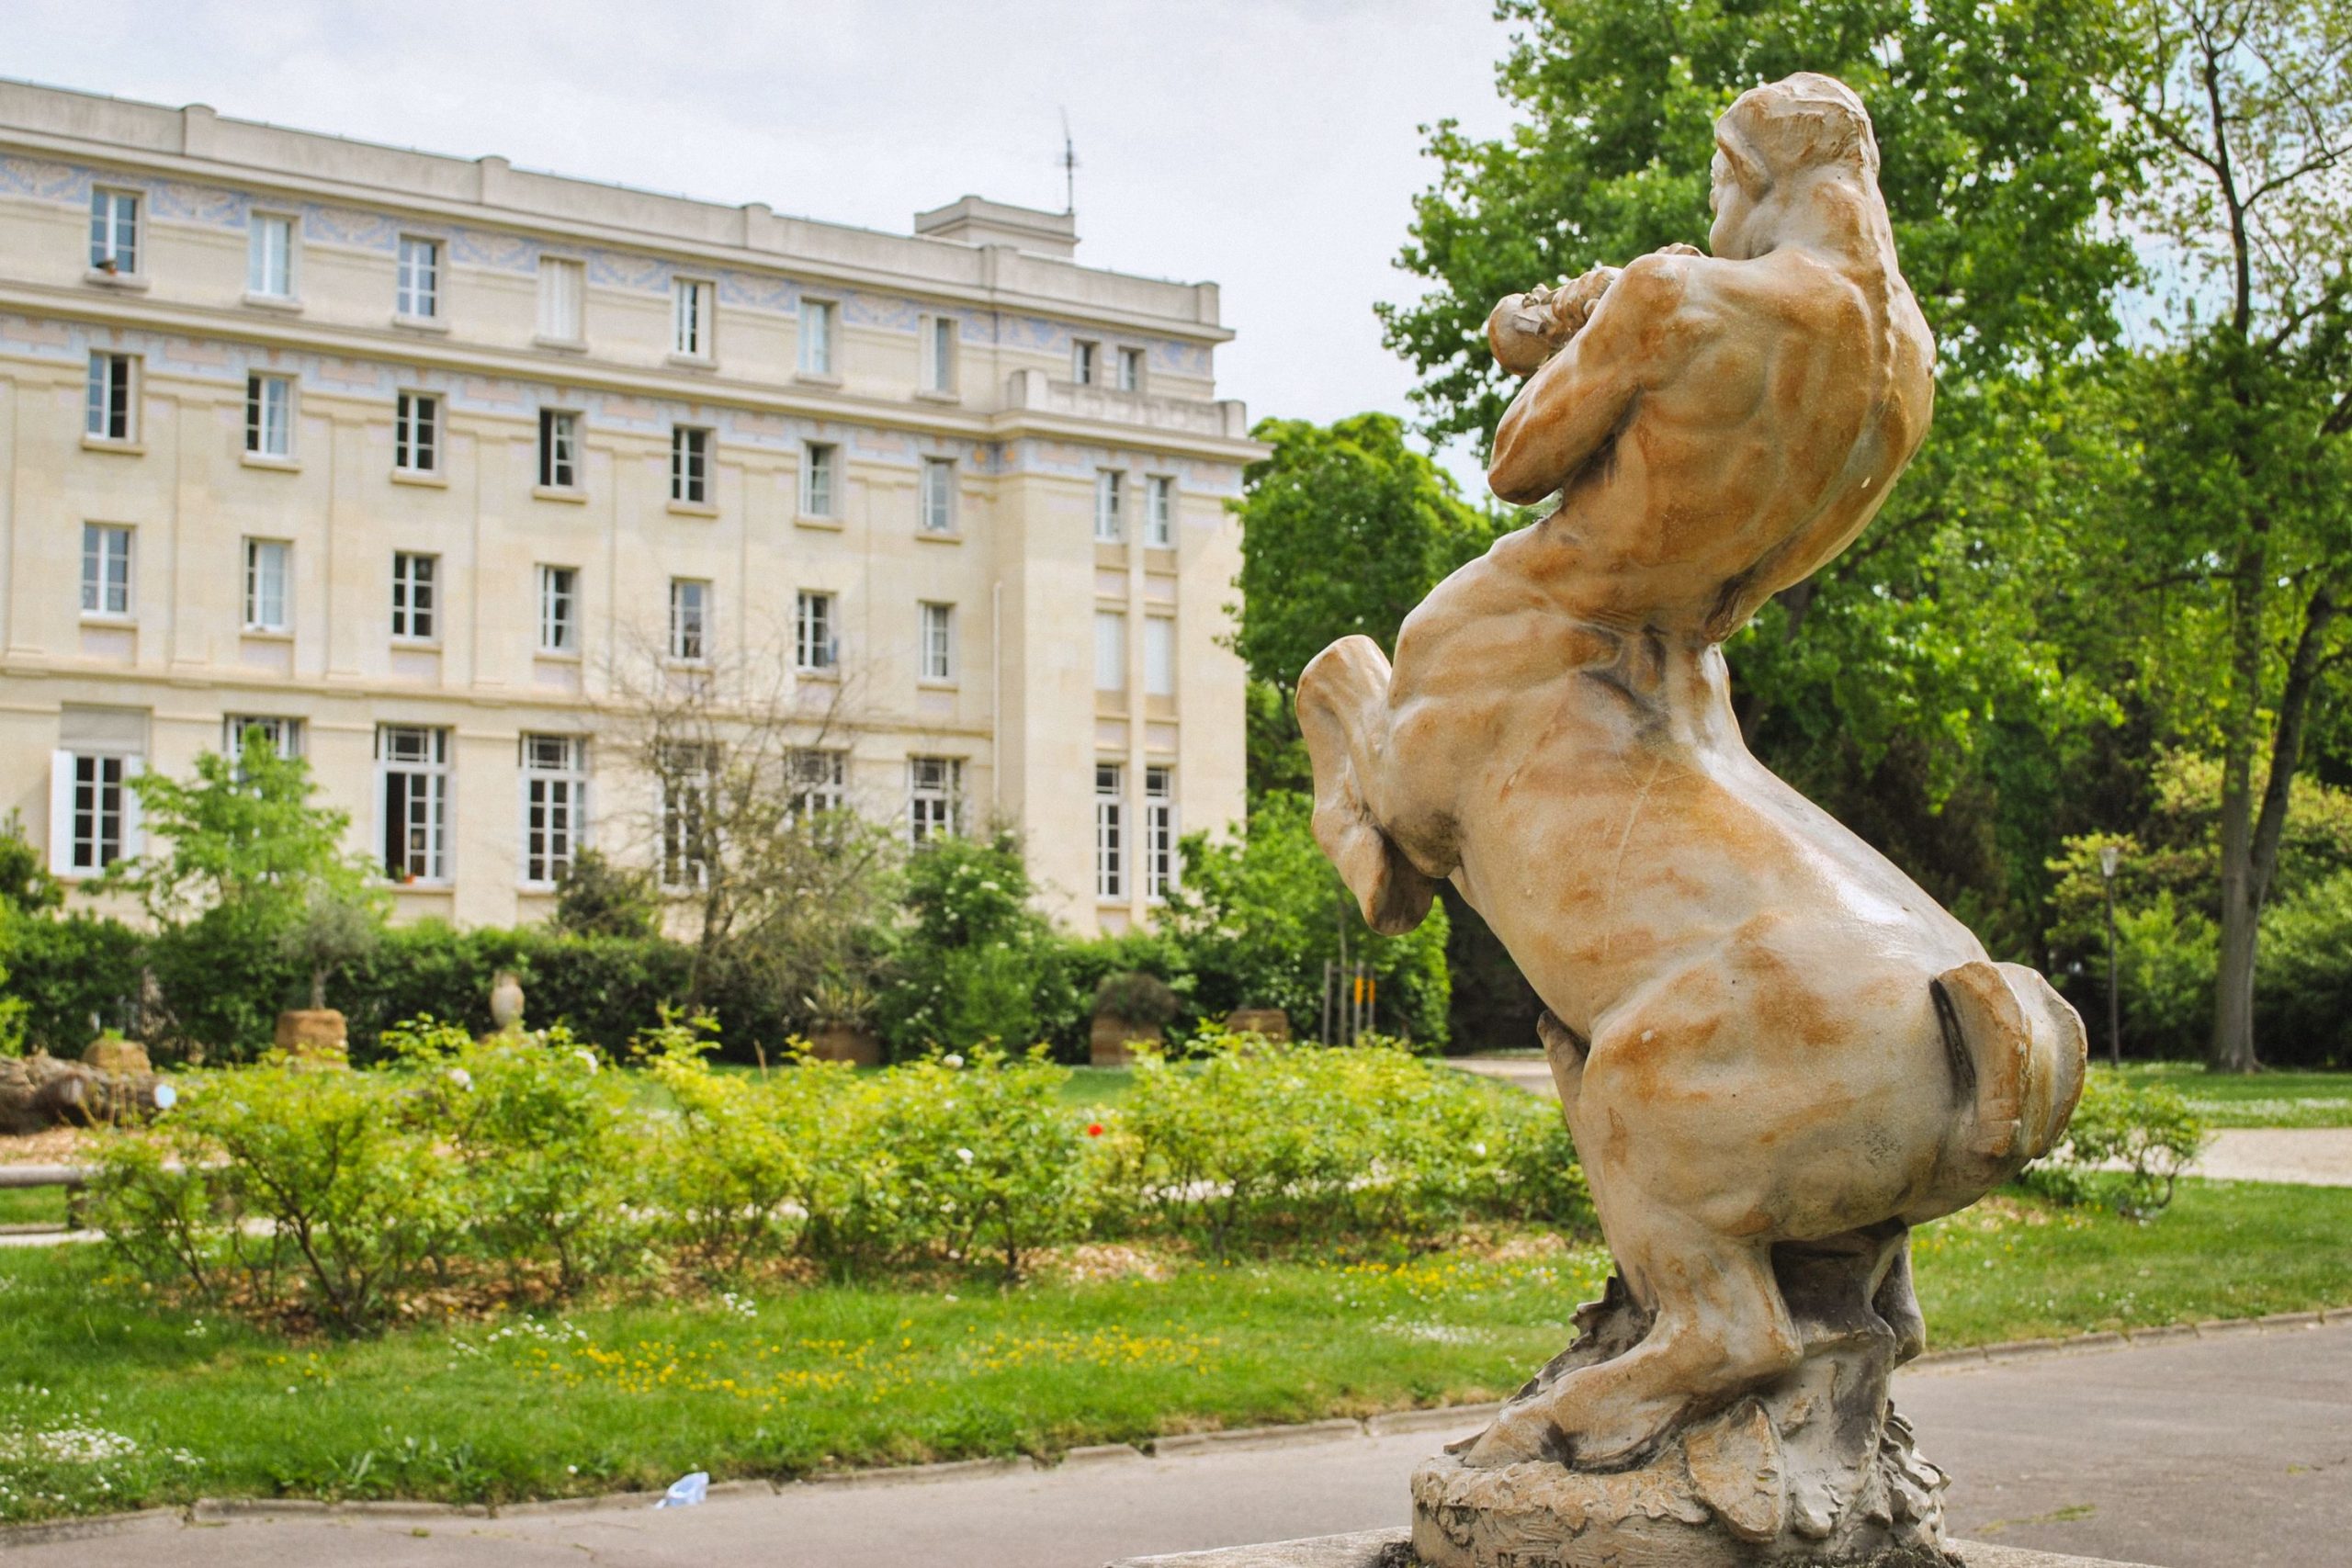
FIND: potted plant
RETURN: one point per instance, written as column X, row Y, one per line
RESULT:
column 841, row 1022
column 334, row 926
column 1129, row 1007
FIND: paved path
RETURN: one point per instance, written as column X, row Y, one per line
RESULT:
column 2228, row 1452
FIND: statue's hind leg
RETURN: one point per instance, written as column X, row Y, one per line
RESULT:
column 1343, row 712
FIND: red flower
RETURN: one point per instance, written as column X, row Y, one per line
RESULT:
column 1095, row 1129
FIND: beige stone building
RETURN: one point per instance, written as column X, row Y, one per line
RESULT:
column 423, row 463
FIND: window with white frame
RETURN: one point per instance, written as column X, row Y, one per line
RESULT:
column 559, row 609
column 555, row 806
column 269, row 256
column 816, row 636
column 416, row 433
column 269, row 416
column 689, row 620
column 1159, row 513
column 938, row 661
column 1110, row 831
column 690, row 465
column 419, row 293
column 689, row 778
column 1158, row 656
column 1160, row 854
column 268, row 564
column 114, row 232
column 563, row 288
column 415, row 596
column 939, row 354
column 817, row 355
column 819, row 479
column 934, row 792
column 939, row 495
column 820, row 781
column 413, row 760
column 1131, row 371
column 558, row 449
column 105, row 569
column 283, row 736
column 690, row 301
column 1083, row 360
column 1110, row 494
column 92, row 810
column 112, row 407
column 1110, row 650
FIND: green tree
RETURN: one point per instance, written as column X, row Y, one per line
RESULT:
column 975, row 961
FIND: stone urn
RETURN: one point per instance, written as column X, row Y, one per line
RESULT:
column 846, row 1043
column 1269, row 1024
column 506, row 1001
column 113, row 1054
column 313, row 1037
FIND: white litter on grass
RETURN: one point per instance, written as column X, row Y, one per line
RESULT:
column 686, row 1491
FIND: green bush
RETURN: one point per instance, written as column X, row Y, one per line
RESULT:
column 70, row 970
column 736, row 1170
column 977, row 962
column 2302, row 1003
column 2125, row 1149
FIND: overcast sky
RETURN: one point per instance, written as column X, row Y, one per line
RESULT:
column 1270, row 145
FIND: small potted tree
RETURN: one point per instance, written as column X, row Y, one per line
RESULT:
column 1129, row 1007
column 335, row 926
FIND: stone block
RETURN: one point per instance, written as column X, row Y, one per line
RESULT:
column 1272, row 1022
column 112, row 1053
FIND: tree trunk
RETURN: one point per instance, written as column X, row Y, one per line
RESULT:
column 318, row 989
column 2231, row 1050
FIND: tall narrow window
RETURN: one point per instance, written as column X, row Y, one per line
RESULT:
column 105, row 569
column 269, row 416
column 818, row 477
column 939, row 354
column 938, row 495
column 689, row 620
column 690, row 465
column 99, row 808
column 111, row 408
column 1082, row 361
column 561, row 289
column 1110, row 492
column 1110, row 832
column 938, row 663
column 419, row 293
column 1159, row 832
column 413, row 596
column 935, row 790
column 238, row 730
column 816, row 643
column 689, row 780
column 555, row 806
column 270, row 256
column 558, row 449
column 416, row 433
column 266, row 561
column 414, row 762
column 1131, row 371
column 690, row 317
column 820, row 782
column 559, row 609
column 817, row 337
column 114, row 232
column 1159, row 513
column 1110, row 651
column 1158, row 656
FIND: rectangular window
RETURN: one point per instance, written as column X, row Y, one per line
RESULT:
column 270, row 256
column 414, row 762
column 938, row 495
column 111, row 406
column 690, row 465
column 939, row 354
column 420, row 278
column 816, row 337
column 689, row 620
column 938, row 662
column 689, row 785
column 1110, row 832
column 1159, row 513
column 269, row 416
column 114, row 232
column 97, row 816
column 105, row 569
column 690, row 317
column 1110, row 487
column 934, row 791
column 267, row 564
column 1110, row 650
column 1158, row 656
column 559, row 609
column 1131, row 371
column 816, row 639
column 561, row 290
column 558, row 449
column 416, row 433
column 282, row 736
column 1082, row 358
column 413, row 596
column 819, row 463
column 820, row 782
column 1159, row 832
column 555, row 806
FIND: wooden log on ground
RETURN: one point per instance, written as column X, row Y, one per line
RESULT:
column 40, row 1091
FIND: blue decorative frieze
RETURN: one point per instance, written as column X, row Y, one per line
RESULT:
column 44, row 181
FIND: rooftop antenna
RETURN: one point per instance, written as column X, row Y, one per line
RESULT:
column 1070, row 169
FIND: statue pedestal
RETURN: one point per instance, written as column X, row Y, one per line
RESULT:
column 1393, row 1548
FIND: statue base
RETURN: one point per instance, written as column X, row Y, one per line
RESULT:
column 1393, row 1548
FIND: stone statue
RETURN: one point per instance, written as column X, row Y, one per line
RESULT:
column 1776, row 1052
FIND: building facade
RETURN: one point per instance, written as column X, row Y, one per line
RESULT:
column 428, row 466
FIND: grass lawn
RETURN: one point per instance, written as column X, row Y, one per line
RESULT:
column 2255, row 1099
column 32, row 1205
column 107, row 1402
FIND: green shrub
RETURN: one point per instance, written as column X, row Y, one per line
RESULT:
column 976, row 962
column 71, row 970
column 2302, row 1003
column 735, row 1170
column 2125, row 1149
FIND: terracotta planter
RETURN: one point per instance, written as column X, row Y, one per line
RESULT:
column 846, row 1043
column 1111, row 1043
column 1272, row 1022
column 312, row 1036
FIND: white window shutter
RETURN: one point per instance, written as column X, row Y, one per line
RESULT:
column 61, row 812
column 135, row 834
